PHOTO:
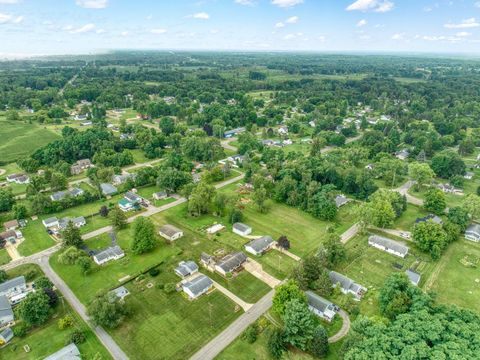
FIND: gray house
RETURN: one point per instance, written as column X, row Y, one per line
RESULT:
column 60, row 195
column 473, row 232
column 108, row 189
column 347, row 285
column 110, row 253
column 197, row 286
column 320, row 306
column 230, row 263
column 341, row 200
column 69, row 352
column 260, row 245
column 241, row 229
column 5, row 336
column 14, row 288
column 6, row 312
column 186, row 268
column 388, row 245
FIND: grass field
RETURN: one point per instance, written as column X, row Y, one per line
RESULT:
column 456, row 279
column 18, row 139
column 36, row 238
column 4, row 257
column 407, row 219
column 48, row 338
column 277, row 264
column 245, row 285
column 11, row 168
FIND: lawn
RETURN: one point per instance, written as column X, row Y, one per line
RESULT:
column 11, row 168
column 139, row 156
column 456, row 279
column 4, row 257
column 370, row 267
column 48, row 338
column 451, row 199
column 244, row 285
column 407, row 219
column 18, row 138
column 36, row 238
column 168, row 326
column 277, row 264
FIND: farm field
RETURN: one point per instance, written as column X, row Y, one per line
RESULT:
column 18, row 139
column 456, row 279
column 36, row 338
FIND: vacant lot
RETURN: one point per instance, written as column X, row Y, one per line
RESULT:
column 18, row 139
column 456, row 279
column 36, row 238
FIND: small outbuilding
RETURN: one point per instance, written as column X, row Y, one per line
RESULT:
column 241, row 229
column 170, row 232
column 413, row 276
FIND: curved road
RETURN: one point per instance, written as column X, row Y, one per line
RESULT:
column 344, row 330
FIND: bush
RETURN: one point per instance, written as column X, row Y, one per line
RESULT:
column 65, row 322
column 169, row 288
column 154, row 272
column 21, row 330
column 276, row 343
column 31, row 274
column 251, row 333
column 160, row 286
column 43, row 283
column 77, row 337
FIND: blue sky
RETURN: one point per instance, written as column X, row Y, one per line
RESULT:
column 86, row 26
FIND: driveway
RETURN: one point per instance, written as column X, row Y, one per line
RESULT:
column 349, row 233
column 344, row 330
column 256, row 269
column 245, row 306
column 403, row 189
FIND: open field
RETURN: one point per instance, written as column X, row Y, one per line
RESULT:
column 245, row 285
column 48, row 338
column 407, row 219
column 18, row 139
column 4, row 257
column 277, row 264
column 456, row 279
column 36, row 238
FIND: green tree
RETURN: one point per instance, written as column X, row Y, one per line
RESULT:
column 107, row 310
column 6, row 200
column 286, row 292
column 143, row 235
column 471, row 204
column 323, row 283
column 276, row 343
column 43, row 283
column 421, row 173
column 435, row 201
column 260, row 198
column 396, row 295
column 200, row 200
column 430, row 238
column 319, row 345
column 3, row 276
column 458, row 215
column 20, row 211
column 118, row 218
column 35, row 308
column 85, row 264
column 448, row 164
column 71, row 236
column 332, row 250
column 299, row 324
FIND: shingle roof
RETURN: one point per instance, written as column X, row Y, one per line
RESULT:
column 260, row 244
column 241, row 227
column 12, row 283
column 5, row 308
column 413, row 276
column 69, row 352
column 432, row 217
column 7, row 334
column 169, row 230
column 341, row 200
column 109, row 252
column 388, row 243
column 232, row 261
column 186, row 268
column 473, row 228
column 10, row 224
column 50, row 221
column 108, row 189
column 317, row 301
column 198, row 285
column 132, row 197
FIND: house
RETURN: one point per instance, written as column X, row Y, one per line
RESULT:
column 283, row 130
column 108, row 189
column 287, row 142
column 78, row 222
column 60, row 195
column 469, row 175
column 170, row 232
column 241, row 229
column 120, row 292
column 402, row 154
column 11, row 225
column 160, row 195
column 207, row 260
column 86, row 123
column 431, row 217
column 197, row 286
column 132, row 198
column 6, row 312
column 80, row 117
column 230, row 263
column 347, row 286
column 233, row 132
column 320, row 306
column 5, row 336
column 341, row 200
column 69, row 352
column 14, row 289
column 125, row 205
column 186, row 268
column 110, row 253
column 388, row 245
column 18, row 178
column 50, row 222
column 10, row 236
column 413, row 276
column 121, row 179
column 267, row 142
column 260, row 245
column 80, row 166
column 215, row 228
column 473, row 232
column 449, row 189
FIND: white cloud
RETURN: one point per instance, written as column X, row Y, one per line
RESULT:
column 286, row 3
column 292, row 36
column 200, row 15
column 398, row 36
column 67, row 28
column 464, row 24
column 380, row 6
column 100, row 31
column 362, row 22
column 158, row 31
column 18, row 20
column 450, row 39
column 279, row 25
column 245, row 2
column 292, row 20
column 83, row 29
column 9, row 18
column 92, row 4
column 9, row 2
column 463, row 34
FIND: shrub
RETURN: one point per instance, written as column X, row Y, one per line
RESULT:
column 21, row 329
column 154, row 272
column 65, row 322
column 169, row 288
column 160, row 286
column 251, row 333
column 77, row 337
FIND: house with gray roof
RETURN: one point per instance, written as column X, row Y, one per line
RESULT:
column 69, row 352
column 341, row 200
column 347, row 285
column 78, row 222
column 120, row 292
column 60, row 195
column 320, row 306
column 50, row 222
column 391, row 246
column 5, row 336
column 108, row 189
column 108, row 254
column 473, row 232
column 413, row 276
column 230, row 263
column 160, row 195
column 186, row 268
column 6, row 312
column 241, row 229
column 170, row 232
column 402, row 154
column 197, row 286
column 13, row 287
column 260, row 245
column 436, row 219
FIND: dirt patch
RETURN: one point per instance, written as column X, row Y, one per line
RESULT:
column 2, row 171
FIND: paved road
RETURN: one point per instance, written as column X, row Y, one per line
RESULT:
column 349, row 233
column 221, row 341
column 403, row 189
column 344, row 330
column 102, row 335
column 226, row 144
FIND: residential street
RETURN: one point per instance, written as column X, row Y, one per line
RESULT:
column 403, row 189
column 350, row 233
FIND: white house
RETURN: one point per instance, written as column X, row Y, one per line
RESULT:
column 241, row 229
column 215, row 228
column 473, row 232
column 260, row 245
column 197, row 286
column 18, row 178
column 15, row 290
column 50, row 222
column 108, row 254
column 388, row 245
column 160, row 195
column 230, row 263
column 186, row 268
column 320, row 306
column 170, row 232
column 69, row 352
column 347, row 285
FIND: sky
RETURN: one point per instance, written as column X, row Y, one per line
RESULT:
column 51, row 27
